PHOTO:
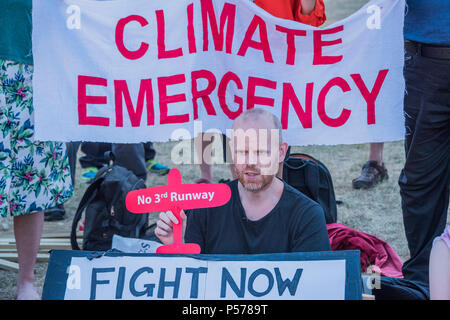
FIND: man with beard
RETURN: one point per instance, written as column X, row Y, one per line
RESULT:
column 264, row 214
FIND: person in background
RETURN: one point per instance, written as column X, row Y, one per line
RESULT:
column 425, row 179
column 310, row 12
column 136, row 157
column 440, row 267
column 144, row 154
column 34, row 175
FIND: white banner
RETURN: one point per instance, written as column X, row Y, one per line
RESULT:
column 137, row 278
column 132, row 71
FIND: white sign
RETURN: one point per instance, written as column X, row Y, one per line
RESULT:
column 128, row 278
column 134, row 245
column 136, row 71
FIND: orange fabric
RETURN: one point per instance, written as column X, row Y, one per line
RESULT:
column 291, row 9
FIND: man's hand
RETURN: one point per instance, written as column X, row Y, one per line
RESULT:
column 164, row 230
column 308, row 6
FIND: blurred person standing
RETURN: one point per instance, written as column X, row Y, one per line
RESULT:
column 425, row 178
column 34, row 175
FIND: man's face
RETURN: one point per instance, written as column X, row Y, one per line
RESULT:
column 256, row 155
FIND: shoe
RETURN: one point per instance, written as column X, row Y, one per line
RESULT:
column 87, row 174
column 158, row 168
column 55, row 214
column 371, row 174
column 202, row 180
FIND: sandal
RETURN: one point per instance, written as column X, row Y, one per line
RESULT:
column 203, row 180
column 371, row 174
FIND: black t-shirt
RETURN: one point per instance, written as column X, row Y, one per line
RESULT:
column 295, row 224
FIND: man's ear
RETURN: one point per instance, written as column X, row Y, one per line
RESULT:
column 283, row 150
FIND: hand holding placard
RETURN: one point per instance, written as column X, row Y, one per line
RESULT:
column 164, row 226
column 175, row 197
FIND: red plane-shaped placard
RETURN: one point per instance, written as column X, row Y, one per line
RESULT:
column 175, row 197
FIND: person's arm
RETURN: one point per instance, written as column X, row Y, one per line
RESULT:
column 193, row 226
column 310, row 12
column 439, row 271
column 308, row 6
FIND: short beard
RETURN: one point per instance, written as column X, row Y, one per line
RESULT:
column 255, row 187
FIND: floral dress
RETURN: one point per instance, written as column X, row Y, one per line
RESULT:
column 34, row 175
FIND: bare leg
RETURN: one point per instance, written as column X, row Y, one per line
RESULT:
column 27, row 231
column 376, row 152
column 205, row 167
column 205, row 171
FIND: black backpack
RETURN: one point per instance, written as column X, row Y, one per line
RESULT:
column 106, row 213
column 312, row 178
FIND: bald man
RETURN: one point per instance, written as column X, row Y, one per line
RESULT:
column 264, row 214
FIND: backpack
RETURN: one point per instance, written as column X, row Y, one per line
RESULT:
column 106, row 213
column 312, row 178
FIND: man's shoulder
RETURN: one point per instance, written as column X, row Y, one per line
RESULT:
column 299, row 201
